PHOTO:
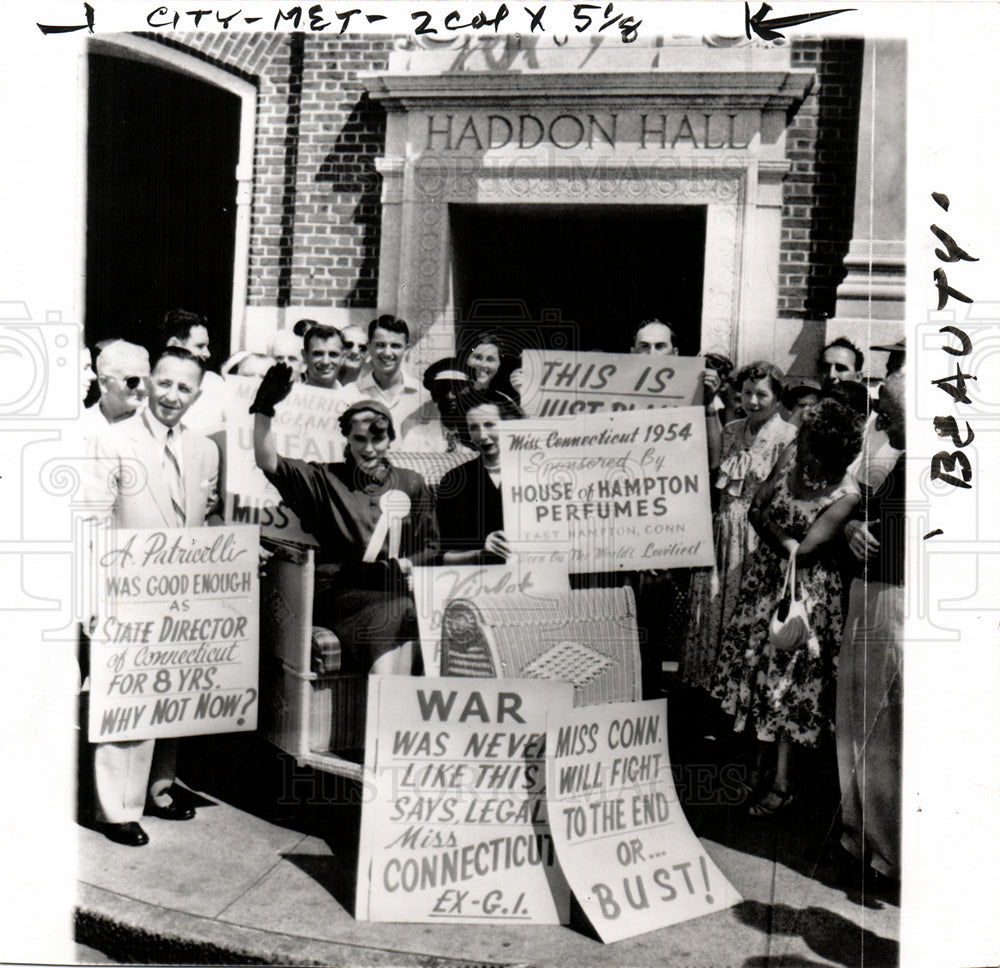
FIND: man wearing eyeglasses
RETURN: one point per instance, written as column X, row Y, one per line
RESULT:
column 355, row 341
column 122, row 371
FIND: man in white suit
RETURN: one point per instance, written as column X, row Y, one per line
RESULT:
column 151, row 473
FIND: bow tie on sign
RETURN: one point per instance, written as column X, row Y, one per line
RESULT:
column 395, row 507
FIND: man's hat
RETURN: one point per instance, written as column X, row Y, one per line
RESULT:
column 447, row 369
column 899, row 347
column 719, row 361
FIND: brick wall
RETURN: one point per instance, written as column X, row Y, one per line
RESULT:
column 316, row 213
column 314, row 237
column 818, row 211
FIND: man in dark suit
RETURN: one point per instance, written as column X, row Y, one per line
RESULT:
column 151, row 473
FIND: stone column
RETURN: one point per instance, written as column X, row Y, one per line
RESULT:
column 870, row 300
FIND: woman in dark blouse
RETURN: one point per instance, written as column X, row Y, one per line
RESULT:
column 469, row 507
column 373, row 522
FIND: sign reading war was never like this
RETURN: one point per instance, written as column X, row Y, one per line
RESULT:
column 456, row 828
column 618, row 491
column 623, row 841
column 560, row 383
column 175, row 648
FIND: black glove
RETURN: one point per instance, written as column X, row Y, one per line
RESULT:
column 275, row 386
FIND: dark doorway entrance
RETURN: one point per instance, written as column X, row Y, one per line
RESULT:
column 161, row 201
column 579, row 275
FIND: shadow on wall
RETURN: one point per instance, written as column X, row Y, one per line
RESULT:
column 349, row 170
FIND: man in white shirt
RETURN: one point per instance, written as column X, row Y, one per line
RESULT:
column 122, row 372
column 355, row 353
column 661, row 596
column 324, row 349
column 189, row 331
column 151, row 472
column 389, row 381
column 285, row 347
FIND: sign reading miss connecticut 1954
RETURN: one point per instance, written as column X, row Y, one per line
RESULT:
column 626, row 491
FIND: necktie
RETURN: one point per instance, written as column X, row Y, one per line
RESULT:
column 175, row 479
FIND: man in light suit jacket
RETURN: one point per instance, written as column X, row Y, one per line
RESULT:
column 151, row 473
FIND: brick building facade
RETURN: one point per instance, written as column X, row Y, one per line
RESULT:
column 315, row 196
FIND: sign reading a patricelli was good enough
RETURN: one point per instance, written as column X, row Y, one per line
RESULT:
column 566, row 384
column 456, row 828
column 174, row 651
column 626, row 491
column 624, row 844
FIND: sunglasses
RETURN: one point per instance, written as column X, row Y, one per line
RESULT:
column 132, row 382
column 348, row 345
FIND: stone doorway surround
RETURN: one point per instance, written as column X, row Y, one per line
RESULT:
column 682, row 121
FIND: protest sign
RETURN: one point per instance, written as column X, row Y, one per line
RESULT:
column 558, row 383
column 617, row 491
column 455, row 828
column 539, row 577
column 175, row 648
column 305, row 426
column 622, row 839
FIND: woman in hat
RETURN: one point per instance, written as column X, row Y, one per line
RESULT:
column 751, row 447
column 373, row 522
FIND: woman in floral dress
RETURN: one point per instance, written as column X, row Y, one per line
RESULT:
column 751, row 447
column 803, row 505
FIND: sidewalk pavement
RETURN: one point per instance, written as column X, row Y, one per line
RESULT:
column 244, row 883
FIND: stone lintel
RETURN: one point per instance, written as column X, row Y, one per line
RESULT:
column 757, row 90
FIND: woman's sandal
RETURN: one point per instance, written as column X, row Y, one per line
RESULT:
column 754, row 783
column 772, row 803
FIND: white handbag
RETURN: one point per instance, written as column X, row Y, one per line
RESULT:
column 789, row 627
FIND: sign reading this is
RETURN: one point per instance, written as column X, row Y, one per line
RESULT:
column 567, row 384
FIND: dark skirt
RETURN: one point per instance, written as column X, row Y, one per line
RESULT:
column 368, row 607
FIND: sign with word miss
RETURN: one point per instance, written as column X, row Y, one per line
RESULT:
column 305, row 426
column 566, row 384
column 624, row 844
column 536, row 578
column 455, row 829
column 617, row 491
column 174, row 651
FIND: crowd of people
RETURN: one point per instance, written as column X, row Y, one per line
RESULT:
column 808, row 494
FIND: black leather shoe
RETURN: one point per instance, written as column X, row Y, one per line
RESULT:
column 130, row 834
column 175, row 810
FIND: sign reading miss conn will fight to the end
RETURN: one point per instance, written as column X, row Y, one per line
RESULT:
column 628, row 852
column 174, row 650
